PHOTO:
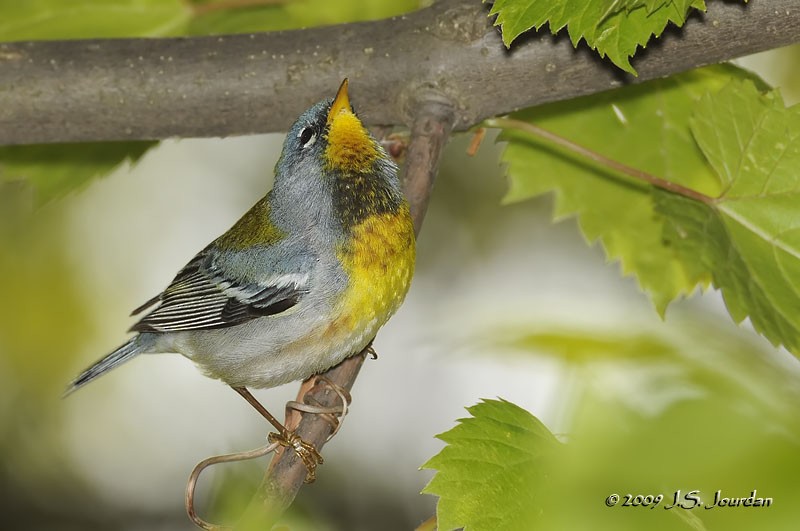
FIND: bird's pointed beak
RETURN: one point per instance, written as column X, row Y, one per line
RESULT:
column 340, row 103
column 349, row 146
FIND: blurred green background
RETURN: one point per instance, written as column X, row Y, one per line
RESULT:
column 503, row 304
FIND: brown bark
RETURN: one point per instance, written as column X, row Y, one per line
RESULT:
column 134, row 89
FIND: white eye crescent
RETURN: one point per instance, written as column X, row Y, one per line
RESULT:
column 307, row 137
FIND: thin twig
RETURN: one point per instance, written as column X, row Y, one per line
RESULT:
column 191, row 485
column 475, row 143
column 639, row 175
column 427, row 525
column 431, row 124
column 287, row 473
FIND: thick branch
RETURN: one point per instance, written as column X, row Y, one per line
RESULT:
column 431, row 124
column 120, row 89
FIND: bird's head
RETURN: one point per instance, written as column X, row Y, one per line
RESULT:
column 332, row 170
column 331, row 136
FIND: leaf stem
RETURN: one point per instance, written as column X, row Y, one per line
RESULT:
column 639, row 175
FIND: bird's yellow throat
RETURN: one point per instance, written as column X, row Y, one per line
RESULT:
column 350, row 147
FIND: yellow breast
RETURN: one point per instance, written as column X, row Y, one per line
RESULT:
column 379, row 260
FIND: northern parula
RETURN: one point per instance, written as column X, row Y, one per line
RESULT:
column 304, row 279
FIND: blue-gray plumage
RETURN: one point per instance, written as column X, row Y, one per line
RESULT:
column 304, row 279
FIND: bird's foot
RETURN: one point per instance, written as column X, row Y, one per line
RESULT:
column 307, row 452
column 370, row 350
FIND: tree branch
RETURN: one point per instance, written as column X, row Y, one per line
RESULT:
column 433, row 120
column 287, row 473
column 126, row 89
column 431, row 124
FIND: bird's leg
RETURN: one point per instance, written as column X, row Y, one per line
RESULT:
column 258, row 407
column 305, row 451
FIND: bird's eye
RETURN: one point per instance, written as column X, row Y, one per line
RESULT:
column 307, row 137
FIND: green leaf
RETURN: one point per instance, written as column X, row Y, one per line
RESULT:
column 733, row 144
column 749, row 237
column 243, row 20
column 40, row 341
column 712, row 412
column 577, row 346
column 81, row 19
column 493, row 471
column 644, row 126
column 615, row 29
column 55, row 170
column 295, row 14
column 703, row 406
column 73, row 19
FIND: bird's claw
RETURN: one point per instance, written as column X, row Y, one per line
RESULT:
column 307, row 452
column 370, row 350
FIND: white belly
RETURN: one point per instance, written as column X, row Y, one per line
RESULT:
column 269, row 351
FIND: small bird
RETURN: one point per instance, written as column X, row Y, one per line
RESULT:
column 303, row 280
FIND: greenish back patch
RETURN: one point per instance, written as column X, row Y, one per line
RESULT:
column 254, row 228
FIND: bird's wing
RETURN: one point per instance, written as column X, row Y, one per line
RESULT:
column 201, row 298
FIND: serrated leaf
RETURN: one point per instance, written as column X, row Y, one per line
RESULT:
column 749, row 236
column 644, row 126
column 613, row 28
column 73, row 19
column 710, row 409
column 57, row 169
column 492, row 472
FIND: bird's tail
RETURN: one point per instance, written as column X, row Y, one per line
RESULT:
column 118, row 357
